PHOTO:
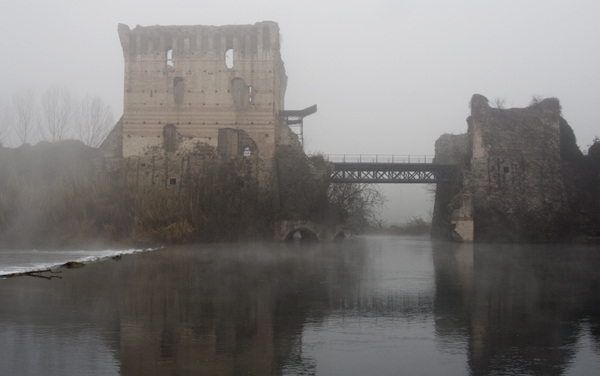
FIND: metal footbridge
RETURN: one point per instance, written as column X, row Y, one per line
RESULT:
column 371, row 168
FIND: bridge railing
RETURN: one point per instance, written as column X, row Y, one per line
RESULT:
column 378, row 158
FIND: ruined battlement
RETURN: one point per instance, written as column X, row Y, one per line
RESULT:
column 187, row 86
column 152, row 43
column 219, row 89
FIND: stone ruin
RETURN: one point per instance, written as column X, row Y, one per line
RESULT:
column 193, row 93
column 512, row 185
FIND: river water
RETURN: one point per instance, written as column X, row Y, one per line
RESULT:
column 375, row 305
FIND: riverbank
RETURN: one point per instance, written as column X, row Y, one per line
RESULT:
column 56, row 195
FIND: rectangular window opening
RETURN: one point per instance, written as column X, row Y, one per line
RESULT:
column 172, row 181
column 170, row 57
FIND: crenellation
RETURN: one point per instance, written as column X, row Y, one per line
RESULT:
column 182, row 90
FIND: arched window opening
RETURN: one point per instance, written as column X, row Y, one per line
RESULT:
column 170, row 138
column 178, row 90
column 229, row 58
column 239, row 87
column 170, row 57
column 247, row 151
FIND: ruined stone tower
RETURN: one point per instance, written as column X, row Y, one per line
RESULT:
column 193, row 89
column 511, row 186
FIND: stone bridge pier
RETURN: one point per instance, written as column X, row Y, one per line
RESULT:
column 307, row 231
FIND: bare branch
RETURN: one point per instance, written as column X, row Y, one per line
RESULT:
column 499, row 102
column 361, row 203
column 57, row 110
column 536, row 98
column 25, row 115
column 93, row 120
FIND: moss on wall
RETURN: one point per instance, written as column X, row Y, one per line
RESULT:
column 528, row 179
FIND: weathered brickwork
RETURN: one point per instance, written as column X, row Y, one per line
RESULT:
column 198, row 92
column 200, row 79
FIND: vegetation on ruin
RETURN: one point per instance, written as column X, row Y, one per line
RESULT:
column 50, row 196
column 579, row 216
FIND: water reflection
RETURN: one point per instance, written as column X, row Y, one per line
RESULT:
column 219, row 310
column 523, row 309
column 379, row 305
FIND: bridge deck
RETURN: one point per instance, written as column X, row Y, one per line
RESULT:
column 392, row 173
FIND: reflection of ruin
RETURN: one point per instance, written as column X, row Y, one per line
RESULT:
column 217, row 310
column 521, row 310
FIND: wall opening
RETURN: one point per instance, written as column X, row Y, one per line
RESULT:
column 235, row 142
column 506, row 169
column 239, row 92
column 178, row 90
column 302, row 235
column 229, row 58
column 172, row 181
column 170, row 57
column 250, row 94
column 170, row 138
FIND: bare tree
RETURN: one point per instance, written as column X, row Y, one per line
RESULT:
column 93, row 120
column 25, row 115
column 536, row 99
column 57, row 109
column 499, row 102
column 359, row 203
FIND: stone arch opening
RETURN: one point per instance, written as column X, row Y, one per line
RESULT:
column 169, row 59
column 170, row 138
column 302, row 234
column 229, row 58
column 178, row 90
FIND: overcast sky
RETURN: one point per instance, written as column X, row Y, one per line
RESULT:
column 389, row 77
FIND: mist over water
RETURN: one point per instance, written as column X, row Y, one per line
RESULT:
column 369, row 305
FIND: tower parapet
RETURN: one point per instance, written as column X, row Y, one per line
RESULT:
column 184, row 85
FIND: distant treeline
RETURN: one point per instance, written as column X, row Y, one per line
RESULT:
column 416, row 225
column 53, row 116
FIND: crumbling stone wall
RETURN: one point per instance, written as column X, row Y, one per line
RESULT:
column 194, row 81
column 513, row 177
column 516, row 172
column 450, row 219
